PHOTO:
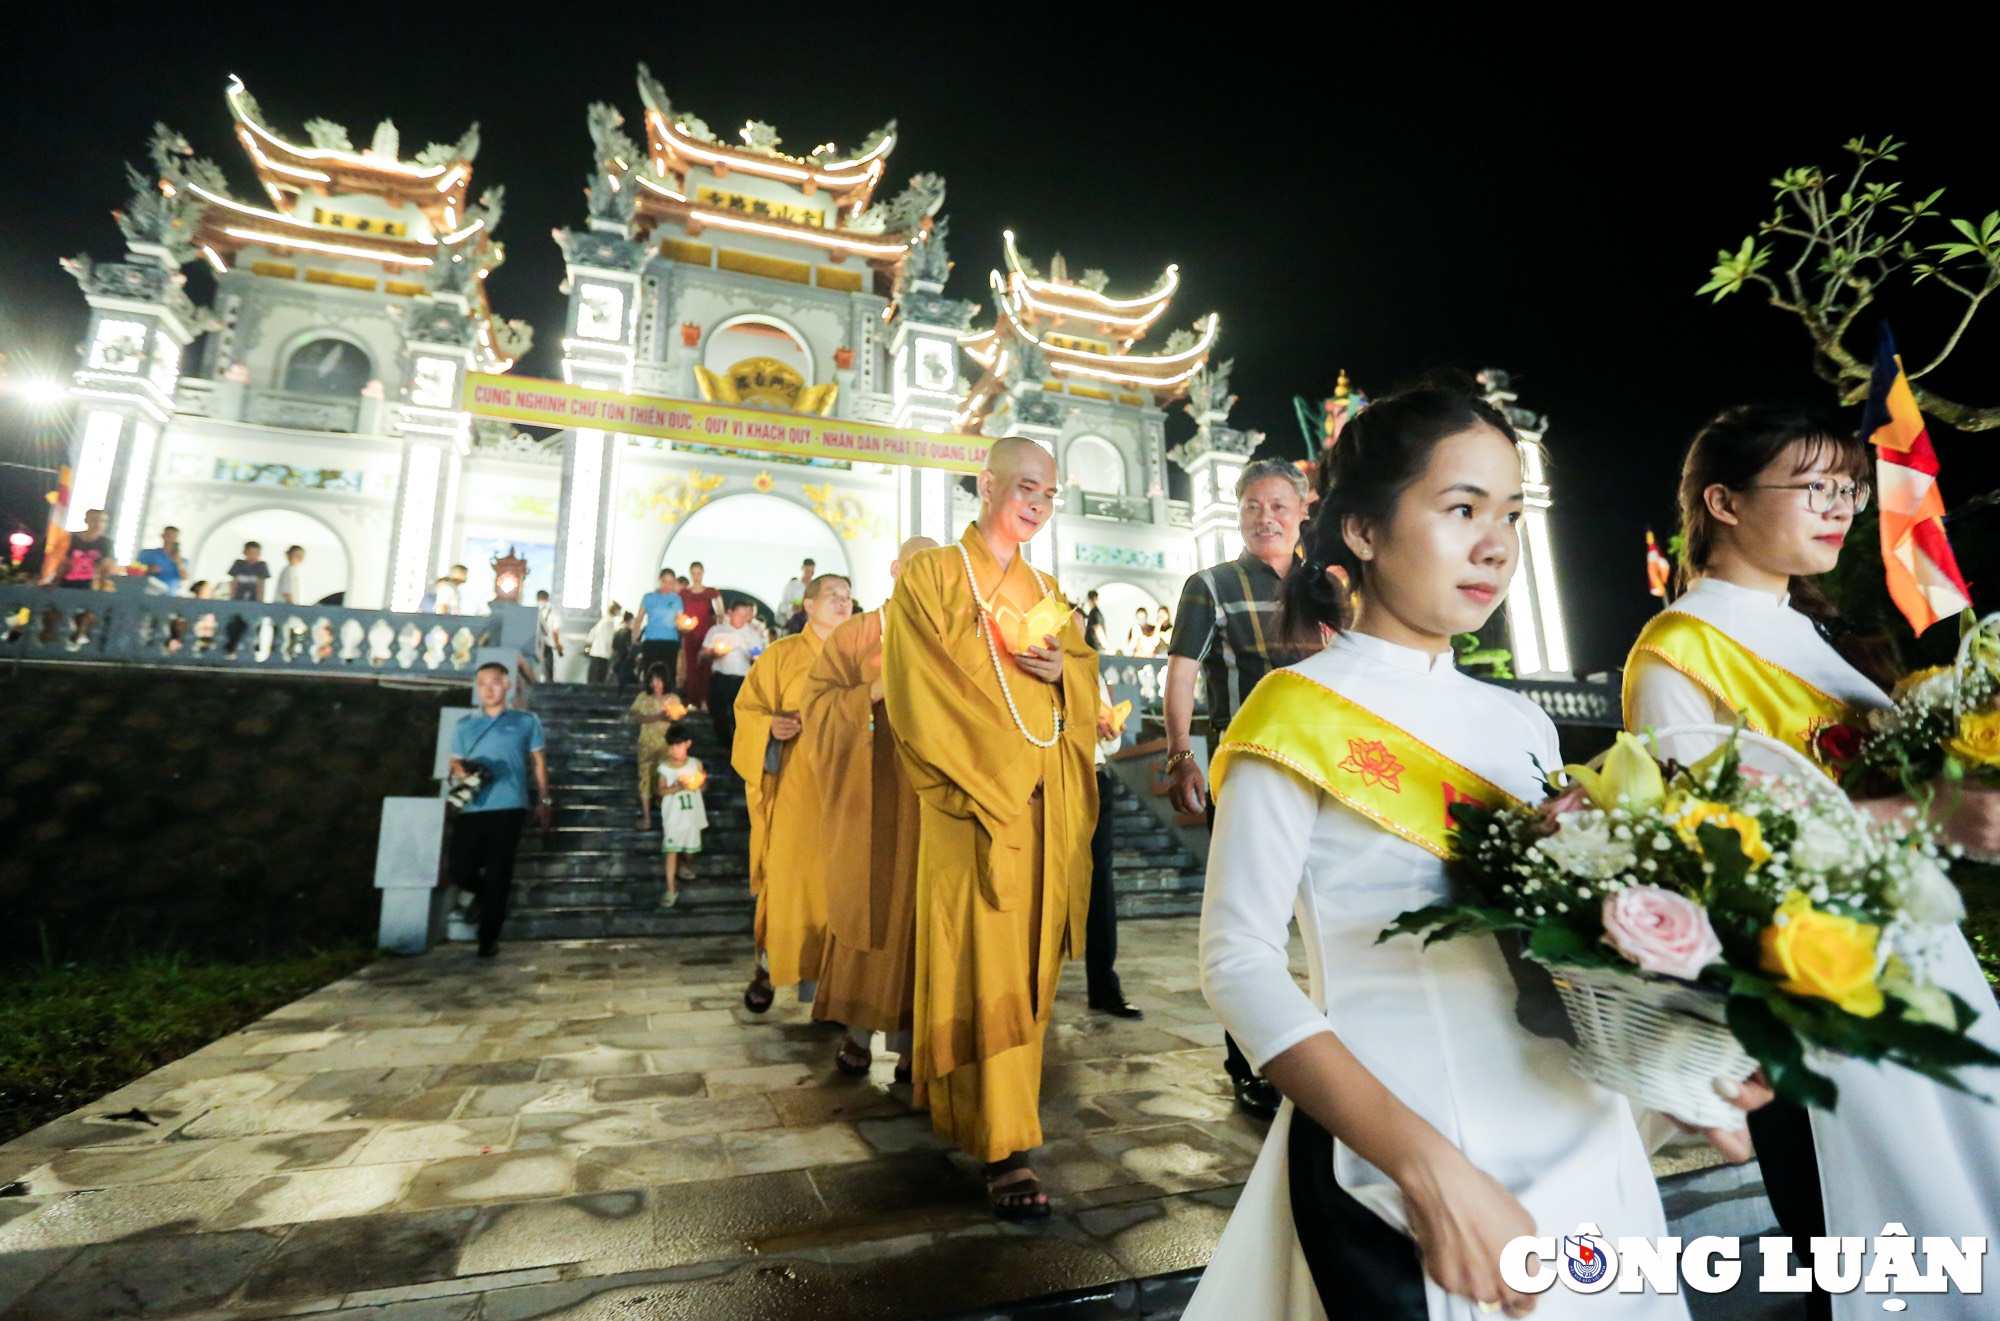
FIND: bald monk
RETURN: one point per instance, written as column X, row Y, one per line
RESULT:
column 996, row 737
column 784, row 808
column 868, row 840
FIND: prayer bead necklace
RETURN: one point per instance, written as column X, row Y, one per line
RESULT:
column 979, row 602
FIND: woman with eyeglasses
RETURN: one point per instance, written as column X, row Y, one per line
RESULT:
column 1767, row 499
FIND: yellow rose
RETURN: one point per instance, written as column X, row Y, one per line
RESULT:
column 1824, row 955
column 1915, row 677
column 1694, row 812
column 1978, row 738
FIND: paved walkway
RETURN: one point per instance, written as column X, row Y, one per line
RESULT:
column 598, row 1129
column 604, row 1119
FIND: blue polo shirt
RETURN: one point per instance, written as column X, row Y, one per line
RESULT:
column 663, row 616
column 163, row 567
column 502, row 744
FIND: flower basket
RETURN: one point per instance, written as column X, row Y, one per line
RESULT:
column 1661, row 1042
column 1700, row 921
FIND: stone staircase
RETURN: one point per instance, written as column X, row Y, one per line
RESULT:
column 595, row 874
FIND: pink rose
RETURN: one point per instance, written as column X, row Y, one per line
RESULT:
column 1547, row 816
column 1660, row 931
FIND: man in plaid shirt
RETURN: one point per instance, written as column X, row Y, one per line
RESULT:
column 1227, row 628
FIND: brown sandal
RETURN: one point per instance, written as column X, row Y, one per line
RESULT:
column 854, row 1059
column 1016, row 1199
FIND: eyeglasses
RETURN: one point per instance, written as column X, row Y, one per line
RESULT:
column 1823, row 496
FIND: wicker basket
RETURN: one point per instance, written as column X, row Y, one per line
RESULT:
column 1663, row 1042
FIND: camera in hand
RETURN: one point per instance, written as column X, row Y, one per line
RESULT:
column 468, row 785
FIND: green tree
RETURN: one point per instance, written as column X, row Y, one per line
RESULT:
column 1834, row 245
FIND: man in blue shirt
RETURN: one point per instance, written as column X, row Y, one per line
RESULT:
column 164, row 563
column 660, row 622
column 503, row 744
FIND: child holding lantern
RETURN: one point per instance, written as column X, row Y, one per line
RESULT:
column 682, row 814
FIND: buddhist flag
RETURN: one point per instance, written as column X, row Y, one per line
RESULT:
column 1923, row 574
column 1657, row 568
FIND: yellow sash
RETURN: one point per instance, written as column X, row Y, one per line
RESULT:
column 1380, row 770
column 1770, row 699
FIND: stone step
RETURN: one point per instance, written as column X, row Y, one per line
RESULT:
column 612, row 866
column 636, row 893
column 706, row 919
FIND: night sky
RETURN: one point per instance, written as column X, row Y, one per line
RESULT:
column 1374, row 199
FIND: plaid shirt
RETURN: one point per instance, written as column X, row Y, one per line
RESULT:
column 1228, row 621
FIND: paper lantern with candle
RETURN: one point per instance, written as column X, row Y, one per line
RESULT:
column 1016, row 632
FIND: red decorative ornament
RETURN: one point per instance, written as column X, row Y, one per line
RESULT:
column 690, row 334
column 843, row 358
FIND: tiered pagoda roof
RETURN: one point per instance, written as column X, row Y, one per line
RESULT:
column 1079, row 336
column 427, row 238
column 677, row 144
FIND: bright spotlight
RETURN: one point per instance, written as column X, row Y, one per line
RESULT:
column 40, row 393
column 43, row 392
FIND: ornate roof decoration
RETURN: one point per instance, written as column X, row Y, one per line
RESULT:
column 437, row 238
column 165, row 211
column 636, row 185
column 1071, row 332
column 1499, row 392
column 679, row 140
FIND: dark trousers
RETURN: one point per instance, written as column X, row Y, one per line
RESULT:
column 722, row 690
column 548, row 664
column 599, row 670
column 1100, row 927
column 1234, row 1062
column 1363, row 1268
column 482, row 862
column 1782, row 1134
column 666, row 653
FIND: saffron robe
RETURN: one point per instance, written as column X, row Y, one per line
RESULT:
column 868, row 836
column 784, row 812
column 1003, row 871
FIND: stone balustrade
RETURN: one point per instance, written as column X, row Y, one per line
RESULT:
column 131, row 626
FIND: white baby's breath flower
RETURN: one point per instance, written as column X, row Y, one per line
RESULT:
column 1938, row 690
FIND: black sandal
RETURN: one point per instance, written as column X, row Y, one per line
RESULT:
column 1018, row 1199
column 758, row 996
column 854, row 1059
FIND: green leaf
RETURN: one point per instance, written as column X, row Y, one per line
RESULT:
column 1561, row 944
column 1775, row 1046
column 1733, row 269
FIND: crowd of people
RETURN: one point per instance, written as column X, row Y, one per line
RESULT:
column 929, row 837
column 85, row 560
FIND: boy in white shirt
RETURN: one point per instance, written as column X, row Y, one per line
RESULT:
column 683, row 815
